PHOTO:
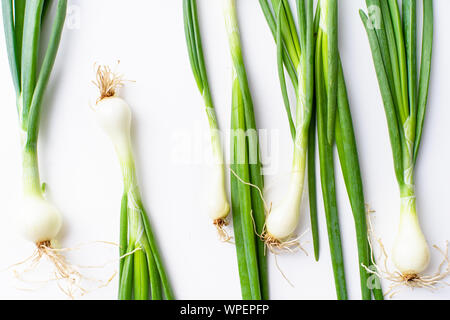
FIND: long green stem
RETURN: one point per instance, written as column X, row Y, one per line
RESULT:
column 328, row 178
column 348, row 155
column 328, row 68
column 139, row 236
column 14, row 51
column 123, row 244
column 44, row 73
column 31, row 38
column 405, row 120
column 304, row 88
column 388, row 100
column 196, row 56
column 249, row 167
column 401, row 56
column 425, row 71
column 236, row 202
column 22, row 24
column 330, row 33
column 312, row 185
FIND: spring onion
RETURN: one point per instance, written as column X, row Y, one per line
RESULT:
column 41, row 221
column 335, row 126
column 334, row 123
column 393, row 44
column 141, row 269
column 284, row 218
column 296, row 54
column 247, row 180
column 218, row 205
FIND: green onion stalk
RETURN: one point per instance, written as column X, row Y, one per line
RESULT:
column 295, row 54
column 142, row 274
column 393, row 41
column 247, row 181
column 283, row 219
column 331, row 118
column 335, row 127
column 23, row 20
column 218, row 205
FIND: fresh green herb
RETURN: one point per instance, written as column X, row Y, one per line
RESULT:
column 218, row 206
column 141, row 270
column 393, row 40
column 331, row 117
column 246, row 178
column 22, row 23
column 295, row 48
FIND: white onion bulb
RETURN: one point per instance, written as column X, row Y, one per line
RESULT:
column 40, row 221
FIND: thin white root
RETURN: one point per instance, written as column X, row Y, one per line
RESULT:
column 267, row 208
column 398, row 280
column 67, row 276
column 223, row 234
column 278, row 247
column 369, row 209
column 282, row 273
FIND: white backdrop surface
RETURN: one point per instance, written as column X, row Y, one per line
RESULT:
column 171, row 138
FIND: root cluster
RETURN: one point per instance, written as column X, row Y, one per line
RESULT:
column 67, row 276
column 276, row 247
column 223, row 234
column 107, row 81
column 398, row 279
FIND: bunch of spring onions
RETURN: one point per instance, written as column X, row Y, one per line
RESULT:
column 331, row 116
column 393, row 41
column 218, row 205
column 247, row 181
column 23, row 20
column 142, row 271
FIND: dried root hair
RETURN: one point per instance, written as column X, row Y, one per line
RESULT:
column 221, row 225
column 107, row 81
column 397, row 279
column 67, row 276
column 276, row 246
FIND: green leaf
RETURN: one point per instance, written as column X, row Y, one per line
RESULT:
column 34, row 108
column 11, row 45
column 141, row 277
column 348, row 154
column 391, row 115
column 328, row 179
column 425, row 70
column 30, row 53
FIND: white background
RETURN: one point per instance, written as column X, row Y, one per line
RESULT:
column 84, row 180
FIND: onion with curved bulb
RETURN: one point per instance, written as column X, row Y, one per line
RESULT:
column 283, row 220
column 40, row 221
column 405, row 99
column 139, row 254
column 218, row 206
column 113, row 115
column 411, row 253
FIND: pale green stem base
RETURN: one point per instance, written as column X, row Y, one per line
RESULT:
column 135, row 223
column 30, row 174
